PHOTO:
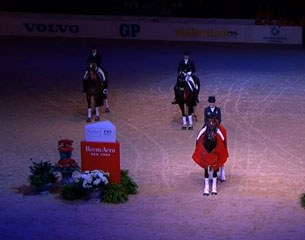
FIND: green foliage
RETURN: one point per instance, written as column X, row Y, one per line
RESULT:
column 41, row 175
column 118, row 193
column 115, row 193
column 303, row 200
column 72, row 192
column 130, row 186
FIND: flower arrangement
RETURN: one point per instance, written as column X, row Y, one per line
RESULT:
column 66, row 165
column 91, row 179
column 66, row 179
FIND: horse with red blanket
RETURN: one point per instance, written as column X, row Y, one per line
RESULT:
column 211, row 153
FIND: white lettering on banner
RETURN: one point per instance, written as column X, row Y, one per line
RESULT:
column 31, row 27
column 99, row 150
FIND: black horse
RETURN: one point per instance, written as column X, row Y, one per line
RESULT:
column 188, row 88
column 93, row 89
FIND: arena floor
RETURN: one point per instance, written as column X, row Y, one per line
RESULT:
column 260, row 90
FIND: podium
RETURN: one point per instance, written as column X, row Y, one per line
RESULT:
column 101, row 151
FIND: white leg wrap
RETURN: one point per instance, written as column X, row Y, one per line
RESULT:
column 97, row 111
column 106, row 103
column 206, row 189
column 190, row 119
column 183, row 121
column 89, row 112
column 214, row 186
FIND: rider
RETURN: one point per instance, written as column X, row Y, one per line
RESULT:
column 94, row 55
column 186, row 67
column 212, row 111
column 93, row 64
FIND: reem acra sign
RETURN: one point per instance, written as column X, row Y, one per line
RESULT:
column 100, row 150
column 100, row 132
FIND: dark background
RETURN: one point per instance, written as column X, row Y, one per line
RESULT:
column 233, row 9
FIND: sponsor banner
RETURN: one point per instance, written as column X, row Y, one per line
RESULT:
column 102, row 156
column 147, row 29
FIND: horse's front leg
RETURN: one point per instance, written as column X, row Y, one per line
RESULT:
column 98, row 102
column 181, row 106
column 88, row 98
column 214, row 182
column 190, row 117
column 208, row 172
column 206, row 185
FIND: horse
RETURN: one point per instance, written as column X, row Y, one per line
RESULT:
column 188, row 89
column 93, row 90
column 211, row 153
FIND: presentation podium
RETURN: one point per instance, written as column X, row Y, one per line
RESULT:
column 101, row 151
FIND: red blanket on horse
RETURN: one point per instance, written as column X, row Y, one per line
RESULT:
column 219, row 154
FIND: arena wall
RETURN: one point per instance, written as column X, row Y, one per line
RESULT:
column 146, row 28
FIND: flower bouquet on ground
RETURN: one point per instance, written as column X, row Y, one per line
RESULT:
column 85, row 183
column 91, row 179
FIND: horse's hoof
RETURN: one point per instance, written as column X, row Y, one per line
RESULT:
column 206, row 194
column 214, row 193
column 88, row 120
column 183, row 128
column 107, row 110
column 191, row 128
column 97, row 119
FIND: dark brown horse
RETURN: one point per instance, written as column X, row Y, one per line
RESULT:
column 189, row 88
column 211, row 153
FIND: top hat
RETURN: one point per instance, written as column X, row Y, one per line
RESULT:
column 211, row 99
column 186, row 53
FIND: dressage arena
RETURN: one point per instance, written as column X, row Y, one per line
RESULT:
column 259, row 88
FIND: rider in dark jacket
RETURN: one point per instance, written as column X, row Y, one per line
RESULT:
column 186, row 67
column 212, row 111
column 94, row 56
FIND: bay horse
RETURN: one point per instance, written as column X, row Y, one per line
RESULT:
column 211, row 153
column 189, row 87
column 93, row 90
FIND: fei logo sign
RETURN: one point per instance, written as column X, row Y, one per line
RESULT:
column 129, row 30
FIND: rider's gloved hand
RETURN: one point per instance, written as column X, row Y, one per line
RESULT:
column 189, row 73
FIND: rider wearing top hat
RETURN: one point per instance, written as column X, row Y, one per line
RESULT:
column 186, row 67
column 212, row 111
column 94, row 56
